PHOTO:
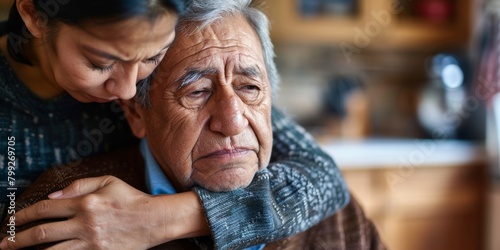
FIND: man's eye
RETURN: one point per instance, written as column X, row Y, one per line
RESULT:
column 250, row 87
column 249, row 93
column 198, row 93
column 196, row 99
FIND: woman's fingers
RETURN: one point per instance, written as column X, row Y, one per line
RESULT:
column 73, row 244
column 102, row 219
column 47, row 209
column 82, row 187
column 44, row 233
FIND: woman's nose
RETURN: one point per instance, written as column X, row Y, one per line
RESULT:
column 122, row 83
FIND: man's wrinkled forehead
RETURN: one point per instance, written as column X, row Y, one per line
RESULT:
column 231, row 34
column 230, row 30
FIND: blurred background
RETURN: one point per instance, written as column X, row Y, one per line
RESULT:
column 403, row 95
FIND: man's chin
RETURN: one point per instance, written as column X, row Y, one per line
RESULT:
column 228, row 188
column 226, row 182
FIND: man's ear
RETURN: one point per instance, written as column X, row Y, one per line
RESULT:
column 35, row 23
column 135, row 117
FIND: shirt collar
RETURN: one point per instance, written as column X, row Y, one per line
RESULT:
column 156, row 180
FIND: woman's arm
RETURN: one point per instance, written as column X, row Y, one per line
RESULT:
column 298, row 189
column 301, row 186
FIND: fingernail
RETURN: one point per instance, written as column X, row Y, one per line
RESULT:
column 55, row 194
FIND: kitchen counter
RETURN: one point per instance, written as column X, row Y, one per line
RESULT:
column 421, row 194
column 398, row 153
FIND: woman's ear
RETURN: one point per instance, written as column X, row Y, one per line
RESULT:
column 34, row 22
column 135, row 117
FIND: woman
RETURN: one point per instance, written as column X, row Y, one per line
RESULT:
column 62, row 63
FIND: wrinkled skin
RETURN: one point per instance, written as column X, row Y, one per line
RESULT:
column 210, row 120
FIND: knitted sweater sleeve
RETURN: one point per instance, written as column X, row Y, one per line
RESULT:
column 300, row 187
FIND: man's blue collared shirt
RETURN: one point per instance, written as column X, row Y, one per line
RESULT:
column 158, row 183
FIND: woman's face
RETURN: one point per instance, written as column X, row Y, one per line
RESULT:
column 103, row 62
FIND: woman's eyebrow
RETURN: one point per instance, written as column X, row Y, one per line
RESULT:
column 164, row 48
column 101, row 53
column 113, row 57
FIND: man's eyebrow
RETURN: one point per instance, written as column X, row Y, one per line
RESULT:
column 250, row 72
column 194, row 75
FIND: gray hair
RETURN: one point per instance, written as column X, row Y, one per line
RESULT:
column 203, row 13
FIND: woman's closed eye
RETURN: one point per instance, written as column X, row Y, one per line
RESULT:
column 153, row 60
column 101, row 68
column 156, row 59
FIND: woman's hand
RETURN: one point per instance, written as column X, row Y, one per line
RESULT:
column 106, row 213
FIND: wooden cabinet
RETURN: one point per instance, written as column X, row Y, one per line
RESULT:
column 428, row 208
column 421, row 194
column 4, row 8
column 5, row 4
column 378, row 24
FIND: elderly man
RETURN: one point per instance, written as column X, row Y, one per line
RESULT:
column 205, row 120
column 212, row 90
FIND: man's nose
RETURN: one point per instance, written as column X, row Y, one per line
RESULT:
column 122, row 83
column 228, row 115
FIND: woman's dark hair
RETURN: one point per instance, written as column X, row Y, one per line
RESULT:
column 75, row 12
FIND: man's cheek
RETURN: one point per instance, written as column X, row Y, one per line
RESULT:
column 266, row 146
column 184, row 173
